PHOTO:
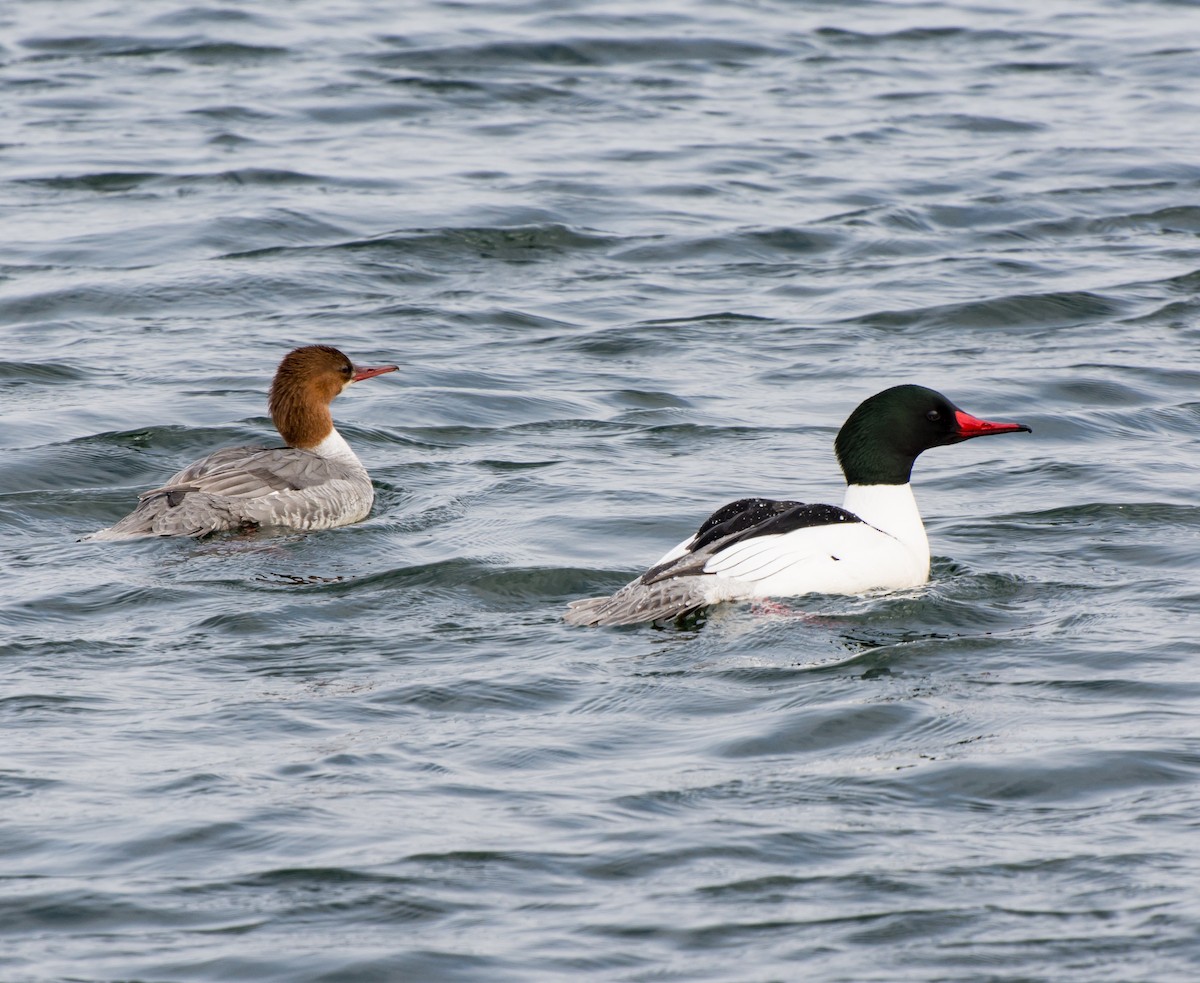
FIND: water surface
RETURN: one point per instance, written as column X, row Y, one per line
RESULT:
column 634, row 261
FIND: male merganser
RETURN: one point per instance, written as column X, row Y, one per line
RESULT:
column 756, row 547
column 315, row 482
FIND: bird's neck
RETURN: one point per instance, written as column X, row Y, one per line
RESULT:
column 335, row 448
column 301, row 417
column 309, row 427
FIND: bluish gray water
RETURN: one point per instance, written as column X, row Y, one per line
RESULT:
column 635, row 260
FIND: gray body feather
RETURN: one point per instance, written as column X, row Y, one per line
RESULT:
column 669, row 590
column 241, row 487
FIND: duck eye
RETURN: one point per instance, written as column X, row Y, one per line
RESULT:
column 933, row 416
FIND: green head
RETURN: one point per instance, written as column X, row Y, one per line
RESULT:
column 882, row 438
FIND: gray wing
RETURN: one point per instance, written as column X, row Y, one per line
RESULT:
column 248, row 472
column 672, row 587
column 636, row 604
column 667, row 591
column 230, row 489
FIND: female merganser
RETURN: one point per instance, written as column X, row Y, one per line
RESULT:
column 756, row 547
column 315, row 482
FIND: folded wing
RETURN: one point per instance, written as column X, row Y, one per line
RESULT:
column 234, row 488
column 738, row 547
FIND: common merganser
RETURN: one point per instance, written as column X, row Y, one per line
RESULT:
column 315, row 482
column 757, row 548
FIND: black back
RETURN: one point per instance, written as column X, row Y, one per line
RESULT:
column 763, row 517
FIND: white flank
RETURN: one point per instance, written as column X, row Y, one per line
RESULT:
column 888, row 550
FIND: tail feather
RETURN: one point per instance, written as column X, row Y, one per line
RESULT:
column 173, row 511
column 638, row 602
column 675, row 586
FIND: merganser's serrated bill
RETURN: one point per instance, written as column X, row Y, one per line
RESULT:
column 757, row 548
column 315, row 482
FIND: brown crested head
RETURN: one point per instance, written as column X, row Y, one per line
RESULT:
column 305, row 383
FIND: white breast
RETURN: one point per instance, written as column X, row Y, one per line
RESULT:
column 891, row 509
column 335, row 448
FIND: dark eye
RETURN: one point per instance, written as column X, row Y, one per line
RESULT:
column 933, row 416
column 347, row 370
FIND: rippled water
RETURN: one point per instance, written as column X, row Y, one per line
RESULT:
column 635, row 260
